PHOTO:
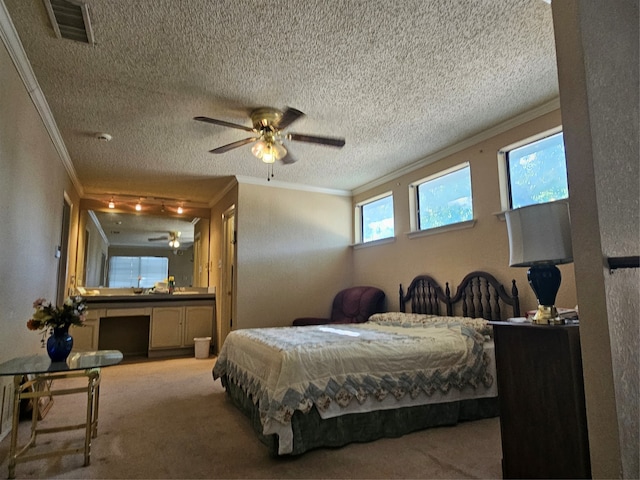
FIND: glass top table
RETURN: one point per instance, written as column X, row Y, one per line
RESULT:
column 36, row 377
column 35, row 364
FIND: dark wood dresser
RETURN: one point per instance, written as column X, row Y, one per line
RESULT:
column 542, row 409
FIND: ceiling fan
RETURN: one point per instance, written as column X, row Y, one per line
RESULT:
column 268, row 127
column 173, row 239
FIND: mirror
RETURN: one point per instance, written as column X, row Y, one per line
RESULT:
column 104, row 233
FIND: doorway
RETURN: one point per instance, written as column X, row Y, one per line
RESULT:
column 228, row 267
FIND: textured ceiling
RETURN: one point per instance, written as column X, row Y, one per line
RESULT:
column 398, row 80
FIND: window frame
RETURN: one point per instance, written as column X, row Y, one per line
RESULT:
column 414, row 218
column 359, row 220
column 503, row 166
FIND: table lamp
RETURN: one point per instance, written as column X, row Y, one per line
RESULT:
column 540, row 238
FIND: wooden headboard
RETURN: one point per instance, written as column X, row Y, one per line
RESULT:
column 479, row 295
column 425, row 296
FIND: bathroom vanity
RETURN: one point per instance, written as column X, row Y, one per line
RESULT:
column 152, row 325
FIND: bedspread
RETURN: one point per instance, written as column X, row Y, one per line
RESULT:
column 293, row 368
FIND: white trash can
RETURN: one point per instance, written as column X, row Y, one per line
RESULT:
column 202, row 346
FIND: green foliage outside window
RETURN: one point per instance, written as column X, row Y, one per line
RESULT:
column 377, row 219
column 445, row 200
column 538, row 172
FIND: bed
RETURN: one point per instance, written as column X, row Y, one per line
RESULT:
column 330, row 385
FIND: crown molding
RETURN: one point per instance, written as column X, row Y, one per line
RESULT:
column 291, row 186
column 513, row 122
column 19, row 57
column 218, row 196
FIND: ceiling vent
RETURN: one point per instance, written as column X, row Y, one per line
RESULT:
column 70, row 19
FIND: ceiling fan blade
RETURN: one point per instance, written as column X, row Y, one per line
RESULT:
column 330, row 141
column 157, row 239
column 231, row 146
column 289, row 116
column 288, row 159
column 223, row 123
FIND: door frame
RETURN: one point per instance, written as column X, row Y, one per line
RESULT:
column 62, row 250
column 228, row 275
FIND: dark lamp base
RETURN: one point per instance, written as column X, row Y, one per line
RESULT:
column 545, row 282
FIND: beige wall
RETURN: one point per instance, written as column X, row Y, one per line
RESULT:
column 33, row 182
column 32, row 186
column 450, row 255
column 598, row 61
column 293, row 254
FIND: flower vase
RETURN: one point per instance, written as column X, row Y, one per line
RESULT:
column 59, row 344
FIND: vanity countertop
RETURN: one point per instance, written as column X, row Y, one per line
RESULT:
column 149, row 299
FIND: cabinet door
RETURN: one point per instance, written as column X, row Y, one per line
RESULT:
column 85, row 338
column 166, row 327
column 542, row 409
column 198, row 323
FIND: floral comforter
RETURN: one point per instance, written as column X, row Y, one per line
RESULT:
column 294, row 368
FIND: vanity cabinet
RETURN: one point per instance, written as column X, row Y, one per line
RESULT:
column 166, row 327
column 198, row 323
column 176, row 327
column 146, row 325
column 85, row 338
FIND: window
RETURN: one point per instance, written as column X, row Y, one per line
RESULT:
column 124, row 272
column 536, row 171
column 444, row 198
column 375, row 218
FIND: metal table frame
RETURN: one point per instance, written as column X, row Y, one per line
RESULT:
column 34, row 389
column 85, row 365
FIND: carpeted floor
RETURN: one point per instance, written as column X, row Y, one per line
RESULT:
column 169, row 419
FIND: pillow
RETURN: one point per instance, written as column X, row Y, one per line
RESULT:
column 399, row 319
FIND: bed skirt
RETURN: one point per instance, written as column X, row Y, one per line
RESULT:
column 310, row 431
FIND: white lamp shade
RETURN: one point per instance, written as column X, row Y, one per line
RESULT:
column 539, row 234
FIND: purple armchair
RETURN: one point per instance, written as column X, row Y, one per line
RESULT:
column 352, row 305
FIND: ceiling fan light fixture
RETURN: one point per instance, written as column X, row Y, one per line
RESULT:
column 268, row 151
column 173, row 239
column 269, row 154
column 280, row 151
column 261, row 150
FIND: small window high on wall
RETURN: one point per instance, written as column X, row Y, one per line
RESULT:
column 442, row 199
column 374, row 219
column 142, row 272
column 534, row 171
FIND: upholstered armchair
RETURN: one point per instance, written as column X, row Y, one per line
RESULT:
column 352, row 305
